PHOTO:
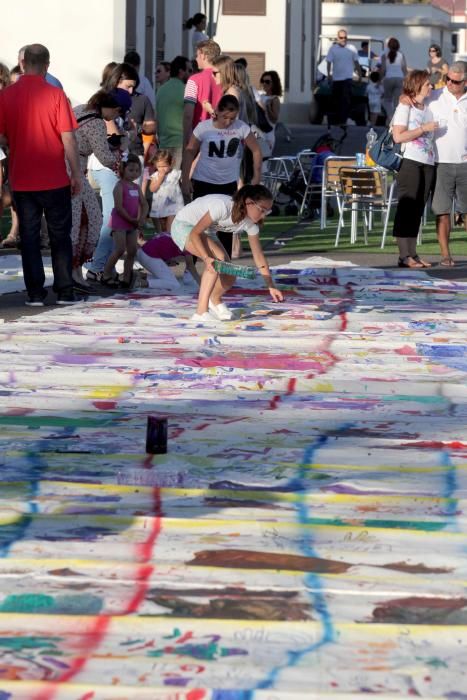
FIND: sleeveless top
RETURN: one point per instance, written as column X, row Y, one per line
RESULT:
column 130, row 202
column 394, row 70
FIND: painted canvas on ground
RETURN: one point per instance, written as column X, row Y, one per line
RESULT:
column 303, row 537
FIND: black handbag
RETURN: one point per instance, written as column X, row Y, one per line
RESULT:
column 385, row 152
column 262, row 121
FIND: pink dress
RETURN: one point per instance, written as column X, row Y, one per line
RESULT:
column 130, row 202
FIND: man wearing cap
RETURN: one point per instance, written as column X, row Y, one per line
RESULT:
column 34, row 113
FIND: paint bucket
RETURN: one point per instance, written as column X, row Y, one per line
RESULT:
column 156, row 435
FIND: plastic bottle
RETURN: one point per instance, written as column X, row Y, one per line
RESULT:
column 371, row 138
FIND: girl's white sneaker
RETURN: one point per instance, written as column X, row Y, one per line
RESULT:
column 220, row 311
column 205, row 318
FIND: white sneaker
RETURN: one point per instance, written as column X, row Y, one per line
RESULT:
column 205, row 318
column 220, row 311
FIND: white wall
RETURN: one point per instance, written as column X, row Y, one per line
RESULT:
column 81, row 37
column 262, row 34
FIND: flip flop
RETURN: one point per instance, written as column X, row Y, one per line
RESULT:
column 447, row 261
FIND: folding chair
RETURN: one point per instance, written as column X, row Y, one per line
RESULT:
column 278, row 171
column 363, row 190
column 330, row 186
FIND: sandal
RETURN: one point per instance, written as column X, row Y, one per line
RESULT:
column 404, row 262
column 423, row 263
column 447, row 261
column 109, row 282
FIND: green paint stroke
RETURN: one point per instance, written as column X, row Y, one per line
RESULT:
column 80, row 604
column 22, row 643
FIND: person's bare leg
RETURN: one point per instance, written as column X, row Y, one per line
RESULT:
column 443, row 232
column 12, row 238
column 119, row 241
column 208, row 279
column 223, row 284
column 131, row 248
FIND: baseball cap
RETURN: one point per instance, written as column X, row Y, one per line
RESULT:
column 122, row 97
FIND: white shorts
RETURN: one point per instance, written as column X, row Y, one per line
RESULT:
column 180, row 232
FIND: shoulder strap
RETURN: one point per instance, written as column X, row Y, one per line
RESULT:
column 85, row 117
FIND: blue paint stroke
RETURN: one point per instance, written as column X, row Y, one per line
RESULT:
column 35, row 465
column 313, row 581
column 450, row 484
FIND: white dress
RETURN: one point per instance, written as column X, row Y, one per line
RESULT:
column 168, row 199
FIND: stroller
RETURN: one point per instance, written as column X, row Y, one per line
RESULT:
column 306, row 185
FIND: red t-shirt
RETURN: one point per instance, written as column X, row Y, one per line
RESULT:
column 202, row 86
column 33, row 115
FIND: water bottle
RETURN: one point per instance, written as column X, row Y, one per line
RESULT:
column 371, row 138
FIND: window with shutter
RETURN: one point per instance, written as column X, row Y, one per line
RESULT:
column 244, row 7
column 256, row 63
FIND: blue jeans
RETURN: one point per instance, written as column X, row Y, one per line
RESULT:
column 56, row 207
column 106, row 179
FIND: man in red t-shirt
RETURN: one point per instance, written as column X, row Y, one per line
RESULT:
column 201, row 87
column 37, row 124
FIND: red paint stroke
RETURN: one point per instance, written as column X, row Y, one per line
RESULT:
column 104, row 405
column 261, row 360
column 406, row 350
column 436, row 444
column 143, row 554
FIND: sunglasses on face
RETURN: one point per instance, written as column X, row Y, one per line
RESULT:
column 342, row 38
column 454, row 82
column 266, row 81
column 215, row 72
column 432, row 51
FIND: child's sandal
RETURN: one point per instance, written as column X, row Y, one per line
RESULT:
column 109, row 282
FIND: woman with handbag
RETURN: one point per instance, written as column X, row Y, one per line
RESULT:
column 413, row 126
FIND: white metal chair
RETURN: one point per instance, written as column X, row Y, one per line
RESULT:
column 330, row 186
column 363, row 190
column 277, row 171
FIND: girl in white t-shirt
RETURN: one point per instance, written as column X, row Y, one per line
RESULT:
column 192, row 230
column 164, row 184
column 219, row 143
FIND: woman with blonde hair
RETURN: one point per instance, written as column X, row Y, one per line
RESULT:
column 225, row 74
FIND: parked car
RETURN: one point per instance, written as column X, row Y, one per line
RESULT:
column 369, row 51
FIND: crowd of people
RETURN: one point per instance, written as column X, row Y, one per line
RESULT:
column 427, row 111
column 190, row 156
column 146, row 153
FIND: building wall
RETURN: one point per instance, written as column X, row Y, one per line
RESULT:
column 81, row 37
column 415, row 26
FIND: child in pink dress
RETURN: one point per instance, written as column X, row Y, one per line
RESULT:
column 126, row 220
